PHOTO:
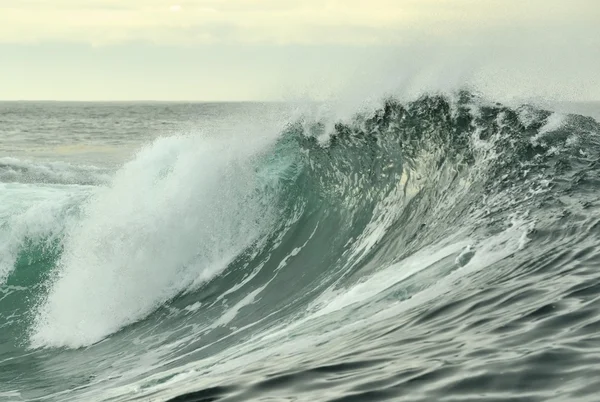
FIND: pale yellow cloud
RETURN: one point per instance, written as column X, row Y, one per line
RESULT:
column 283, row 21
column 252, row 49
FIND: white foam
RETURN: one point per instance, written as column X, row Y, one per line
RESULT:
column 11, row 394
column 489, row 251
column 233, row 311
column 15, row 170
column 34, row 213
column 554, row 122
column 385, row 279
column 172, row 218
column 193, row 307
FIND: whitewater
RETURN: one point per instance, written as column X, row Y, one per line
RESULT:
column 441, row 248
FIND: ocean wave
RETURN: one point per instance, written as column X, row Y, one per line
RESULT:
column 185, row 208
column 199, row 244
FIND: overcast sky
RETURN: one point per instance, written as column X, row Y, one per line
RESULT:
column 287, row 49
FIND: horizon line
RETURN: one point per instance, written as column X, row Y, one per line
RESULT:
column 298, row 100
column 147, row 101
column 233, row 101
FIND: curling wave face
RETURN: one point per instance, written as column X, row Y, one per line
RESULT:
column 327, row 253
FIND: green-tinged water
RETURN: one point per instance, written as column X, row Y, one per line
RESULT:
column 443, row 249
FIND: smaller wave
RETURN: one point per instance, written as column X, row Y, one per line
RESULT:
column 34, row 216
column 13, row 170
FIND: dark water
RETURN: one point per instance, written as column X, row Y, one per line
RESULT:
column 442, row 249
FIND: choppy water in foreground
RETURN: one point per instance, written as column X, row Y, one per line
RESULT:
column 442, row 249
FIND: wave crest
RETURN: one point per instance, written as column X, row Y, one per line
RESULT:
column 321, row 215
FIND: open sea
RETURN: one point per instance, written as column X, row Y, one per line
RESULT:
column 440, row 249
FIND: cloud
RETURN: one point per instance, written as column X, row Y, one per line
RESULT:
column 252, row 49
column 294, row 21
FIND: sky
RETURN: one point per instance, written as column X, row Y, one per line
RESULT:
column 230, row 50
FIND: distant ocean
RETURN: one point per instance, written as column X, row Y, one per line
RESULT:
column 443, row 249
